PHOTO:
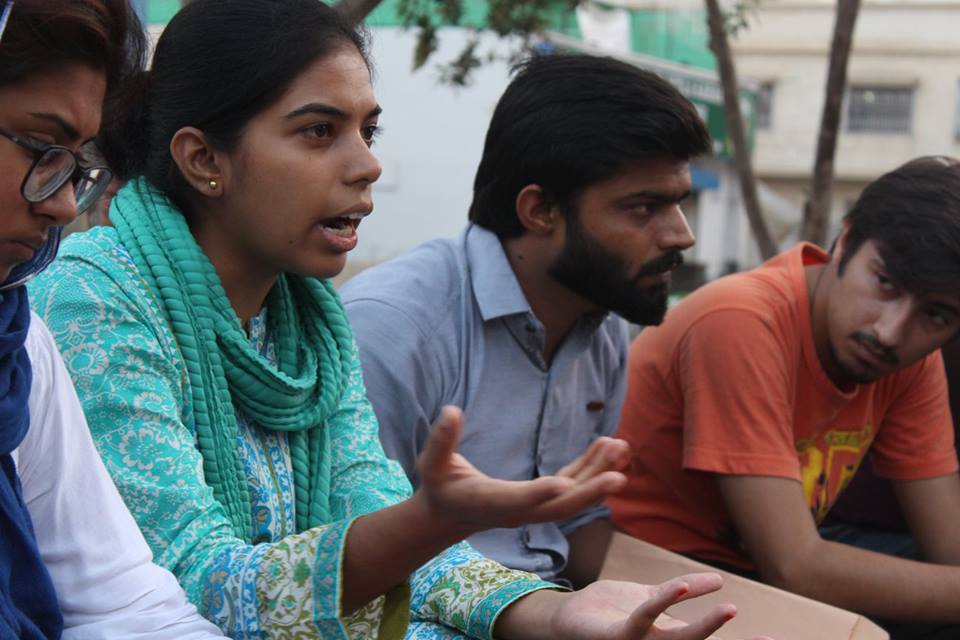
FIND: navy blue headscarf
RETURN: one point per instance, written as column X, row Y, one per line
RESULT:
column 28, row 602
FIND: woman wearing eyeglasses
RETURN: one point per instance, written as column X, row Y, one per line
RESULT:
column 72, row 560
column 53, row 167
column 223, row 386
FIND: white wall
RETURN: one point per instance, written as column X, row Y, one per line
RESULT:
column 431, row 143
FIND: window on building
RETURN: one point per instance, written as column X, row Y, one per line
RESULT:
column 765, row 105
column 880, row 110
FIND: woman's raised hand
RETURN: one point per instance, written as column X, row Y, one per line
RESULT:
column 462, row 497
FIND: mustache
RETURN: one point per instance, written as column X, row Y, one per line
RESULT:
column 667, row 262
column 886, row 354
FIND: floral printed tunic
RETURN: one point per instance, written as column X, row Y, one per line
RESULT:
column 278, row 583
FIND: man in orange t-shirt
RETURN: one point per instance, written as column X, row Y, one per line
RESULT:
column 753, row 404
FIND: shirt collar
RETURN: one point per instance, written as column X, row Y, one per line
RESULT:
column 495, row 285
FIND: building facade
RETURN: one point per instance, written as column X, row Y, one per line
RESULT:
column 902, row 99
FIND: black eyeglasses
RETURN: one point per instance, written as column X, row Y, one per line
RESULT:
column 53, row 166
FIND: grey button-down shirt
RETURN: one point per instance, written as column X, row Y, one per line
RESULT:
column 448, row 323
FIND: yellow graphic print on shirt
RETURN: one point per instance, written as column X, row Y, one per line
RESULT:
column 828, row 461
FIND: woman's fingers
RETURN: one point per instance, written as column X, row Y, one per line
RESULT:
column 586, row 481
column 704, row 627
column 576, row 497
column 526, row 499
column 497, row 503
column 701, row 584
column 541, row 500
column 588, row 457
column 441, row 445
column 603, row 454
column 677, row 590
column 665, row 595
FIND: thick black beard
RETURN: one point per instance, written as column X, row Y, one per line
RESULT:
column 602, row 277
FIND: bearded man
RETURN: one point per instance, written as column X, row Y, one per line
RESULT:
column 575, row 215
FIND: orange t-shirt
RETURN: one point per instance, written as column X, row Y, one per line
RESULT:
column 731, row 383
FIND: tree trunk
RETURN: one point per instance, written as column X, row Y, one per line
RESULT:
column 735, row 129
column 356, row 10
column 816, row 213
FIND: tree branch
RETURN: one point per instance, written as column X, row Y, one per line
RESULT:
column 735, row 129
column 816, row 214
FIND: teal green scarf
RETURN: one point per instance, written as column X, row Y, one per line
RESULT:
column 314, row 349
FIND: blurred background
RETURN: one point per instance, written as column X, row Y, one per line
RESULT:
column 900, row 98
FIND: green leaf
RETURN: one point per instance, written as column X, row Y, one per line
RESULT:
column 450, row 11
column 426, row 42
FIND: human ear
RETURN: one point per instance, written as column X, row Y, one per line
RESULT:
column 840, row 244
column 198, row 162
column 535, row 211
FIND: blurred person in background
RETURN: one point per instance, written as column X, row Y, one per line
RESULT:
column 99, row 212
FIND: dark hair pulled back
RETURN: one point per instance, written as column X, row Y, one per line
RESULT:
column 216, row 65
column 45, row 34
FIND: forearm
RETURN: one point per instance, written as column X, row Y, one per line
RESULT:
column 772, row 517
column 871, row 583
column 525, row 619
column 930, row 507
column 384, row 547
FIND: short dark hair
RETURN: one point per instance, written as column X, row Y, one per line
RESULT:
column 43, row 34
column 913, row 215
column 217, row 65
column 568, row 121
